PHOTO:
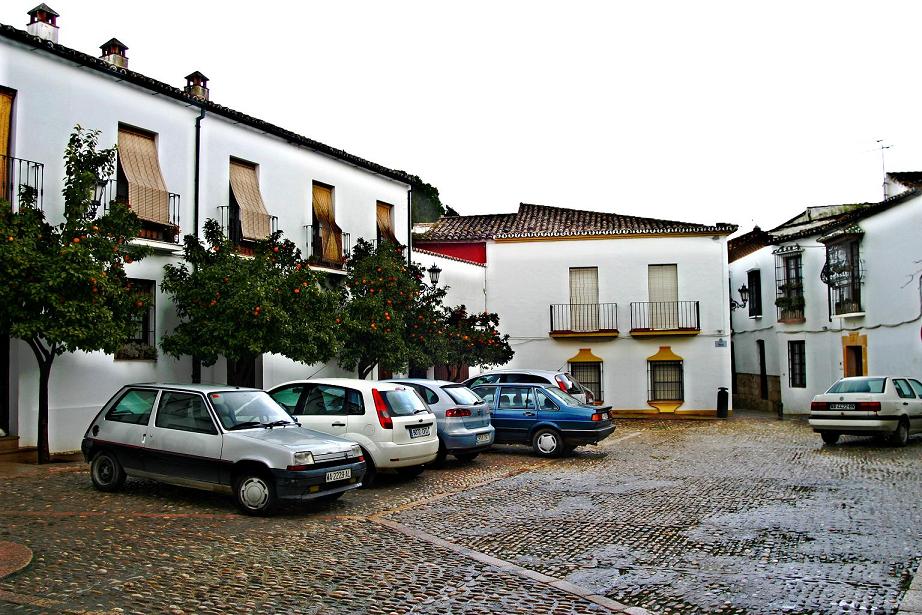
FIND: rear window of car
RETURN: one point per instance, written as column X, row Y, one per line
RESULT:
column 517, row 378
column 565, row 398
column 859, row 385
column 134, row 407
column 462, row 395
column 573, row 387
column 404, row 402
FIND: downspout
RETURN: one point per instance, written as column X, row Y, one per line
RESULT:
column 410, row 225
column 196, row 362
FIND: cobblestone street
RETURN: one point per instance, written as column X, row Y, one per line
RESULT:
column 747, row 516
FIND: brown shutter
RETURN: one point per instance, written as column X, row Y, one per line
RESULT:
column 254, row 217
column 331, row 236
column 147, row 193
column 386, row 221
column 6, row 108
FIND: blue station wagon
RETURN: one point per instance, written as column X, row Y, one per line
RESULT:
column 553, row 422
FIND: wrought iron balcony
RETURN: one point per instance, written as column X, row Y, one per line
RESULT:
column 665, row 318
column 113, row 191
column 584, row 320
column 314, row 247
column 19, row 178
column 229, row 217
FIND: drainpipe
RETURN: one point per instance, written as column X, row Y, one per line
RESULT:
column 196, row 362
column 410, row 225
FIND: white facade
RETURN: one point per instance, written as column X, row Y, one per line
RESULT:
column 52, row 95
column 881, row 336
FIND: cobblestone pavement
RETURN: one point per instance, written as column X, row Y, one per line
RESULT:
column 746, row 516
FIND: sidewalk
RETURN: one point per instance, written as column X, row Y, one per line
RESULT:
column 23, row 464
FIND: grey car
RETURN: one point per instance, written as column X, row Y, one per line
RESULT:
column 217, row 438
column 462, row 418
column 562, row 380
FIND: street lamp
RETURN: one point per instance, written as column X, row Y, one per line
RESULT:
column 99, row 193
column 744, row 297
column 434, row 273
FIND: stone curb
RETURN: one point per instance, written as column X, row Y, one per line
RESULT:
column 912, row 599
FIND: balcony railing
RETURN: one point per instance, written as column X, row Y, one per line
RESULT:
column 158, row 231
column 665, row 317
column 314, row 246
column 229, row 217
column 18, row 176
column 575, row 319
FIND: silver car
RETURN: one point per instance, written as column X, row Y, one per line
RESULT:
column 562, row 380
column 462, row 418
column 217, row 438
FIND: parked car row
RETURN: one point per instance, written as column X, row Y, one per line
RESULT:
column 317, row 439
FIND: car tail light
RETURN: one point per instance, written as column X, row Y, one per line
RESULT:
column 455, row 412
column 818, row 405
column 384, row 416
column 562, row 383
column 868, row 406
column 598, row 416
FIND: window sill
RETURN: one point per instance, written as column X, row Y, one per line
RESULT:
column 850, row 315
column 756, row 317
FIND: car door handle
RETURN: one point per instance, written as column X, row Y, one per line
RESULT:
column 905, row 403
column 528, row 413
column 337, row 424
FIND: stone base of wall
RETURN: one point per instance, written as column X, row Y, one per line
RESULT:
column 748, row 393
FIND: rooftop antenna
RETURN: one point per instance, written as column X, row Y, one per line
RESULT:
column 883, row 167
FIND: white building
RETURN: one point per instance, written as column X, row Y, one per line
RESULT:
column 833, row 292
column 182, row 159
column 636, row 308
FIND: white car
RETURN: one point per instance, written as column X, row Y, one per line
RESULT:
column 392, row 424
column 869, row 405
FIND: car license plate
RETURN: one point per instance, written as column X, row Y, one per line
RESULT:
column 841, row 406
column 419, row 432
column 339, row 475
column 483, row 438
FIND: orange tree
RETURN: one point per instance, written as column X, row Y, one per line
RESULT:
column 472, row 339
column 389, row 317
column 64, row 286
column 240, row 307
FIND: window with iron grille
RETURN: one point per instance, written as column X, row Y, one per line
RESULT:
column 754, row 282
column 665, row 380
column 797, row 364
column 790, row 286
column 590, row 376
column 842, row 273
column 142, row 344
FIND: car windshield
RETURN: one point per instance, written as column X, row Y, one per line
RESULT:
column 858, row 385
column 243, row 409
column 462, row 395
column 564, row 398
column 404, row 402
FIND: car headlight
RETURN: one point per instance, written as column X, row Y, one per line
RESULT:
column 304, row 458
column 356, row 451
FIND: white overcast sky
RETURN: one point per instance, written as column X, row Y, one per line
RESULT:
column 742, row 112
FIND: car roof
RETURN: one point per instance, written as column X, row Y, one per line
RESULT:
column 429, row 381
column 355, row 383
column 537, row 372
column 197, row 388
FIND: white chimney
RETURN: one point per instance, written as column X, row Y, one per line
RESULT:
column 114, row 52
column 43, row 23
column 197, row 85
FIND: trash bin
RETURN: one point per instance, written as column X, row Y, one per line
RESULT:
column 723, row 398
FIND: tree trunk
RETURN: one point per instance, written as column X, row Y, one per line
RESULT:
column 454, row 373
column 44, row 357
column 242, row 372
column 365, row 369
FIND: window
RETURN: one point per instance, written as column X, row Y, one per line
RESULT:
column 916, row 386
column 663, row 292
column 862, row 385
column 142, row 345
column 486, row 393
column 184, row 412
column 584, row 298
column 590, row 376
column 842, row 272
column 797, row 364
column 328, row 400
column 488, row 379
column 247, row 216
column 385, row 217
column 790, row 287
column 517, row 398
column 460, row 394
column 665, row 381
column 288, row 397
column 530, row 378
column 6, row 118
column 754, row 283
column 427, row 394
column 544, row 401
column 903, row 389
column 134, row 407
column 324, row 225
column 139, row 178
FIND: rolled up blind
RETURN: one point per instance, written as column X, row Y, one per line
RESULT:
column 147, row 193
column 331, row 236
column 6, row 108
column 254, row 217
column 386, row 221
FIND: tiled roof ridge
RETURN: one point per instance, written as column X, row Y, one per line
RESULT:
column 13, row 33
column 673, row 225
column 417, row 250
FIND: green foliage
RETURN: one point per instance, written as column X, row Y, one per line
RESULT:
column 473, row 339
column 240, row 306
column 387, row 300
column 426, row 204
column 64, row 286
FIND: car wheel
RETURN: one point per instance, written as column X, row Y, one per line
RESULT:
column 467, row 457
column 371, row 472
column 411, row 472
column 900, row 437
column 829, row 437
column 107, row 473
column 547, row 442
column 255, row 493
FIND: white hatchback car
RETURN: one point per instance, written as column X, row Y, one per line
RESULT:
column 392, row 424
column 869, row 405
